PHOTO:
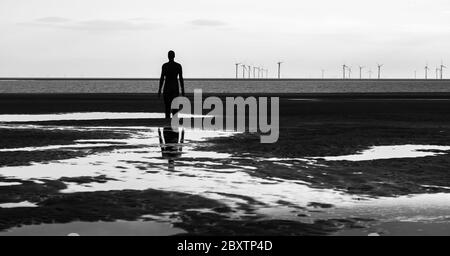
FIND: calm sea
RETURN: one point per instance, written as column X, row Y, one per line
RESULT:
column 225, row 86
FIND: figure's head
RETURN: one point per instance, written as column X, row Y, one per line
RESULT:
column 171, row 55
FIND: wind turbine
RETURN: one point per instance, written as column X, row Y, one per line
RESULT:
column 343, row 70
column 254, row 72
column 415, row 74
column 442, row 70
column 379, row 70
column 279, row 69
column 349, row 72
column 323, row 73
column 360, row 71
column 426, row 71
column 244, row 68
column 237, row 68
column 249, row 71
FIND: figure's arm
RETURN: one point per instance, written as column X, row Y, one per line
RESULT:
column 161, row 82
column 181, row 80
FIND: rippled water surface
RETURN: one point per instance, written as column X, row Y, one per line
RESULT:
column 224, row 86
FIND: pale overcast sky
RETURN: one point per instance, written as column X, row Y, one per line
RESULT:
column 130, row 38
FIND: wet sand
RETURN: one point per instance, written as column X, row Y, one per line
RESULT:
column 229, row 183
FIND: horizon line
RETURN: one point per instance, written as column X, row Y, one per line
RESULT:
column 228, row 79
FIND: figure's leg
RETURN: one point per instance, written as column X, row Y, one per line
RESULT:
column 174, row 111
column 161, row 141
column 167, row 105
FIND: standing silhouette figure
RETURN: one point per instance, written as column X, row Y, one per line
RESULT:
column 171, row 72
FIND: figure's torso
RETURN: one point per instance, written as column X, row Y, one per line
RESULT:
column 171, row 71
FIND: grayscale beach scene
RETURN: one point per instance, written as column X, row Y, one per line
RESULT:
column 224, row 118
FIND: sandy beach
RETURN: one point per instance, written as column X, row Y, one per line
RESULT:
column 345, row 164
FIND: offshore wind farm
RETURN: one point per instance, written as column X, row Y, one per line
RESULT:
column 346, row 72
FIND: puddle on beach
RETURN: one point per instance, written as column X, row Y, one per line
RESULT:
column 85, row 116
column 17, row 205
column 78, row 228
column 6, row 184
column 401, row 228
column 168, row 160
column 425, row 214
column 392, row 152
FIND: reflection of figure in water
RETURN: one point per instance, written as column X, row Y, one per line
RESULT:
column 170, row 73
column 171, row 145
